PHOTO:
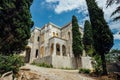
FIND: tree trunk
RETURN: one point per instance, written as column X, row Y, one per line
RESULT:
column 76, row 63
column 103, row 64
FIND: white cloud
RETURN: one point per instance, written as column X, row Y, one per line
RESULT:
column 115, row 25
column 68, row 5
column 117, row 36
column 80, row 6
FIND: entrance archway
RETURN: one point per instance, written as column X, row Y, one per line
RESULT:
column 57, row 49
column 27, row 57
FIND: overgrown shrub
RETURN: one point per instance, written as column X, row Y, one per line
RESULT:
column 85, row 71
column 10, row 63
column 97, row 64
column 43, row 65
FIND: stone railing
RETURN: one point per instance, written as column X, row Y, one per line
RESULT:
column 46, row 59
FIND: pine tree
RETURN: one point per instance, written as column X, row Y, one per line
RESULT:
column 102, row 35
column 87, row 38
column 15, row 25
column 76, row 41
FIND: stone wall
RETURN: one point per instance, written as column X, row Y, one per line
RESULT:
column 86, row 62
column 63, row 62
column 66, row 33
column 113, row 67
column 35, row 44
column 47, row 60
column 58, row 61
column 66, row 62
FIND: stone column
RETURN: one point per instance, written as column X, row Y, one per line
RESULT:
column 54, row 51
column 84, row 54
column 61, row 53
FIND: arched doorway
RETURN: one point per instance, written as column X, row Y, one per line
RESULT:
column 42, row 51
column 51, row 49
column 27, row 57
column 57, row 49
column 36, row 54
column 64, row 50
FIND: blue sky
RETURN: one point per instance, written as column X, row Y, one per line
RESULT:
column 42, row 13
column 60, row 13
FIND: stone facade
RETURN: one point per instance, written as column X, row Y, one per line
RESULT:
column 51, row 44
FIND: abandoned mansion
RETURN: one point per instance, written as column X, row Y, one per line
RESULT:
column 52, row 44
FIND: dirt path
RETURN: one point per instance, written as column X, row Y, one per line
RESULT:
column 57, row 74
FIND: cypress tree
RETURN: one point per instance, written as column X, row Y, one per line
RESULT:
column 102, row 35
column 87, row 38
column 15, row 25
column 76, row 39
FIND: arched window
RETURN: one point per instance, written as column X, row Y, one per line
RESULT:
column 57, row 34
column 57, row 49
column 38, row 38
column 36, row 55
column 64, row 50
column 27, row 57
column 68, row 35
column 53, row 34
column 52, row 48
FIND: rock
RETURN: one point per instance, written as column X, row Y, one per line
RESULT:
column 7, row 76
column 27, row 75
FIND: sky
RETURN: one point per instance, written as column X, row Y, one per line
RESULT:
column 60, row 13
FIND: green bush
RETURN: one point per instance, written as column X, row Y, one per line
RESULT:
column 85, row 71
column 10, row 63
column 43, row 65
column 97, row 64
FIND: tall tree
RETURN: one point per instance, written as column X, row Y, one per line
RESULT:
column 102, row 35
column 87, row 38
column 77, row 42
column 15, row 25
column 117, row 11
